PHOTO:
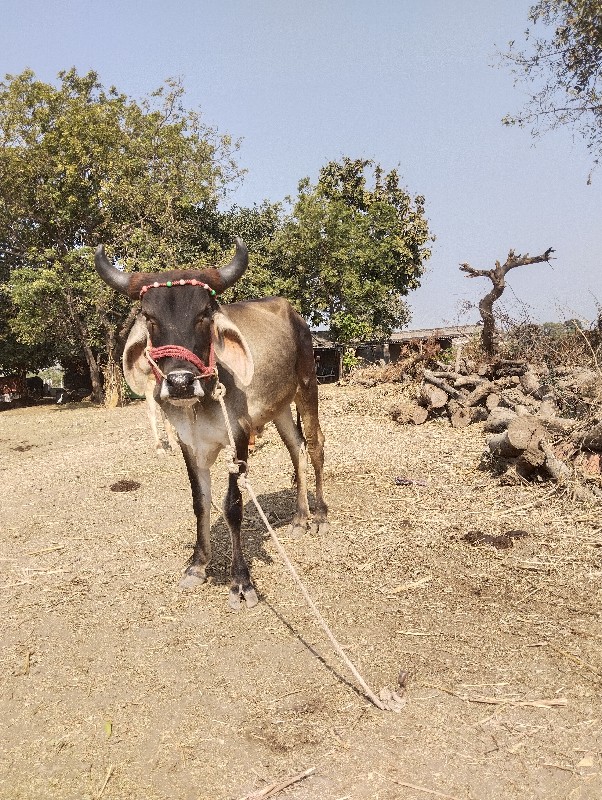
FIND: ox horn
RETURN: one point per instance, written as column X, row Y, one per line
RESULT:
column 114, row 277
column 234, row 270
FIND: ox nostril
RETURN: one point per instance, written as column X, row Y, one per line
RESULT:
column 180, row 379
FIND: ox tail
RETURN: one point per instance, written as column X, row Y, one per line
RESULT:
column 301, row 434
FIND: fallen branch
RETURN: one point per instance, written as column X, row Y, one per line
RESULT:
column 107, row 779
column 502, row 701
column 278, row 786
column 432, row 792
column 441, row 384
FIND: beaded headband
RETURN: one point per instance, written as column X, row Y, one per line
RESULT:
column 181, row 282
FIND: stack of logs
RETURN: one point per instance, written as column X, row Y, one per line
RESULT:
column 519, row 405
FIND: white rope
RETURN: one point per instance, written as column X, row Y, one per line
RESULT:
column 390, row 701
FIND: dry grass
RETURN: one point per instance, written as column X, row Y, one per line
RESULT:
column 116, row 684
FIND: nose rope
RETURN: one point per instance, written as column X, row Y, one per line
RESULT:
column 175, row 351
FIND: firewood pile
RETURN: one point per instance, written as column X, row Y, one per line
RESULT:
column 540, row 423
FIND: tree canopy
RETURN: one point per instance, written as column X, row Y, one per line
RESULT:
column 79, row 165
column 563, row 69
column 352, row 247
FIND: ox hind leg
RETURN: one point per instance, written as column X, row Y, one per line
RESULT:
column 241, row 584
column 306, row 401
column 295, row 444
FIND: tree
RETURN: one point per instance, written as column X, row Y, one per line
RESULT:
column 257, row 226
column 348, row 252
column 81, row 165
column 497, row 276
column 563, row 68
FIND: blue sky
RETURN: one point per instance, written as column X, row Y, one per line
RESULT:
column 408, row 83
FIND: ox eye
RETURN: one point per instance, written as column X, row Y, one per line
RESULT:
column 202, row 322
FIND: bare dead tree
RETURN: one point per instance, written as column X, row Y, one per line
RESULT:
column 497, row 276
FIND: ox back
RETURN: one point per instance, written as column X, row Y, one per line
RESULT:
column 261, row 353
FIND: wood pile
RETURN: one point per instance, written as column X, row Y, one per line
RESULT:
column 535, row 420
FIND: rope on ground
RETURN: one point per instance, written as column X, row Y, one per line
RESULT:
column 387, row 700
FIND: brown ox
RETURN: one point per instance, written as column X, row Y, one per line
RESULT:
column 260, row 351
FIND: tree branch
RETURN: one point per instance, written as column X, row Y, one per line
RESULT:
column 475, row 273
column 497, row 276
column 520, row 261
column 511, row 262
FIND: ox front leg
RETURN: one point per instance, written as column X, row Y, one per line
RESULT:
column 241, row 584
column 200, row 483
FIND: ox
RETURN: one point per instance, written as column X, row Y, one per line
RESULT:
column 260, row 351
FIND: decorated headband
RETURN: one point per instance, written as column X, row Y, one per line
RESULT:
column 181, row 282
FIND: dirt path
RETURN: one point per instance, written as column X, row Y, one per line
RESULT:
column 116, row 684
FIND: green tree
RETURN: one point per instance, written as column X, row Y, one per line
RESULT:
column 351, row 249
column 257, row 226
column 81, row 165
column 563, row 69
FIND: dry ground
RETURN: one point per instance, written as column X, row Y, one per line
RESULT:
column 115, row 684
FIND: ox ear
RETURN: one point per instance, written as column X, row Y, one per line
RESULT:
column 231, row 349
column 136, row 368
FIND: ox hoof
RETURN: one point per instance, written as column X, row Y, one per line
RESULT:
column 237, row 592
column 297, row 530
column 190, row 580
column 250, row 596
column 319, row 527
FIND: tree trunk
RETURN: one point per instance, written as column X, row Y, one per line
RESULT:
column 486, row 312
column 83, row 335
column 497, row 277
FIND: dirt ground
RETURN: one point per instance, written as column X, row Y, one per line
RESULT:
column 116, row 684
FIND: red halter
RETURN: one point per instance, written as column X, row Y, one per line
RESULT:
column 174, row 351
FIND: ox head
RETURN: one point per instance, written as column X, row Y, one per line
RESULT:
column 183, row 324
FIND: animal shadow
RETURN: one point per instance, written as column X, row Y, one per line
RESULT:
column 279, row 507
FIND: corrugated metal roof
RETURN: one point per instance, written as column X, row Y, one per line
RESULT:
column 452, row 332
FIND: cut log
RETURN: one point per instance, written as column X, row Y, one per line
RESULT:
column 441, row 384
column 432, row 396
column 419, row 415
column 521, row 434
column 468, row 380
column 492, row 401
column 548, row 407
column 409, row 412
column 475, row 397
column 530, row 381
column 515, row 397
column 562, row 425
column 461, row 417
column 593, row 438
column 499, row 419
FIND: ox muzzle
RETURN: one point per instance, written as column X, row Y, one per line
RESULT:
column 180, row 384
